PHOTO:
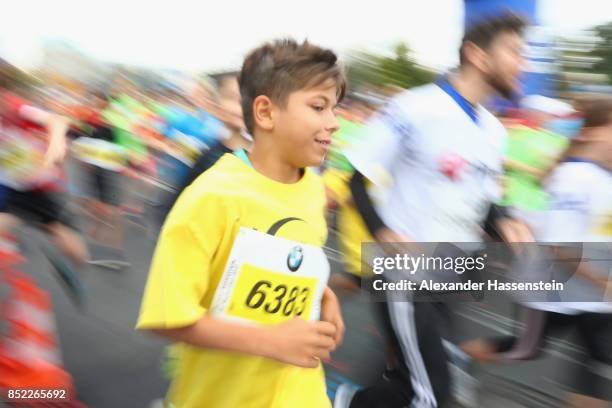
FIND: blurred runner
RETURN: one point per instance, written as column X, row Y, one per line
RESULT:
column 352, row 117
column 579, row 211
column 232, row 136
column 532, row 151
column 193, row 128
column 126, row 113
column 351, row 230
column 103, row 161
column 439, row 153
column 32, row 149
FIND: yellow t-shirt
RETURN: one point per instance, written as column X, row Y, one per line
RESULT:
column 188, row 263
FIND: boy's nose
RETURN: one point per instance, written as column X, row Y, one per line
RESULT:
column 333, row 124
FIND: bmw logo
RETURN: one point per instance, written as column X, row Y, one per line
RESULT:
column 295, row 258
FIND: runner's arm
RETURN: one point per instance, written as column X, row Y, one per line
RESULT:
column 495, row 214
column 387, row 137
column 500, row 225
column 514, row 165
column 57, row 127
column 364, row 204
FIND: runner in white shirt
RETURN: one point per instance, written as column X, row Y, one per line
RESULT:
column 580, row 211
column 439, row 155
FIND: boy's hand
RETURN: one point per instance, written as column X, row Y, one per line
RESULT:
column 299, row 342
column 330, row 312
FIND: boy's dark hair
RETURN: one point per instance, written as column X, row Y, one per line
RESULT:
column 483, row 32
column 279, row 68
column 597, row 112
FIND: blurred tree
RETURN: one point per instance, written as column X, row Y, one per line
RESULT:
column 366, row 68
column 575, row 62
column 603, row 50
column 12, row 77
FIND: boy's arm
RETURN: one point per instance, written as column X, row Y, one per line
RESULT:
column 296, row 341
column 330, row 312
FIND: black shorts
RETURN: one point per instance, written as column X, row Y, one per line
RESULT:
column 105, row 185
column 38, row 207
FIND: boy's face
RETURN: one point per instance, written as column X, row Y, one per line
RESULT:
column 305, row 125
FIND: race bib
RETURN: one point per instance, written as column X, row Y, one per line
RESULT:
column 100, row 153
column 21, row 160
column 268, row 280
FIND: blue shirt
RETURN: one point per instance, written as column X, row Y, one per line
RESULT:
column 200, row 125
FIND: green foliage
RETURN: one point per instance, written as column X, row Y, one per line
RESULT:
column 603, row 50
column 401, row 70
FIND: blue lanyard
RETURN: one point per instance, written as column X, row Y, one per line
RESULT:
column 463, row 103
column 242, row 155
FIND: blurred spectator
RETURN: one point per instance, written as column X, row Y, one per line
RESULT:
column 531, row 152
column 577, row 212
column 232, row 137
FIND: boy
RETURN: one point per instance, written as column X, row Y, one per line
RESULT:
column 289, row 91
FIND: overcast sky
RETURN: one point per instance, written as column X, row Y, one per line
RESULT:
column 207, row 35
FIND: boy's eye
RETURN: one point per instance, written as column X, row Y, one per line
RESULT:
column 318, row 108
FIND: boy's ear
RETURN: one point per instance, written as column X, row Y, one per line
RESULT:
column 263, row 112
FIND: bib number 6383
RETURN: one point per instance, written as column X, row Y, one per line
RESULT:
column 278, row 299
column 270, row 297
